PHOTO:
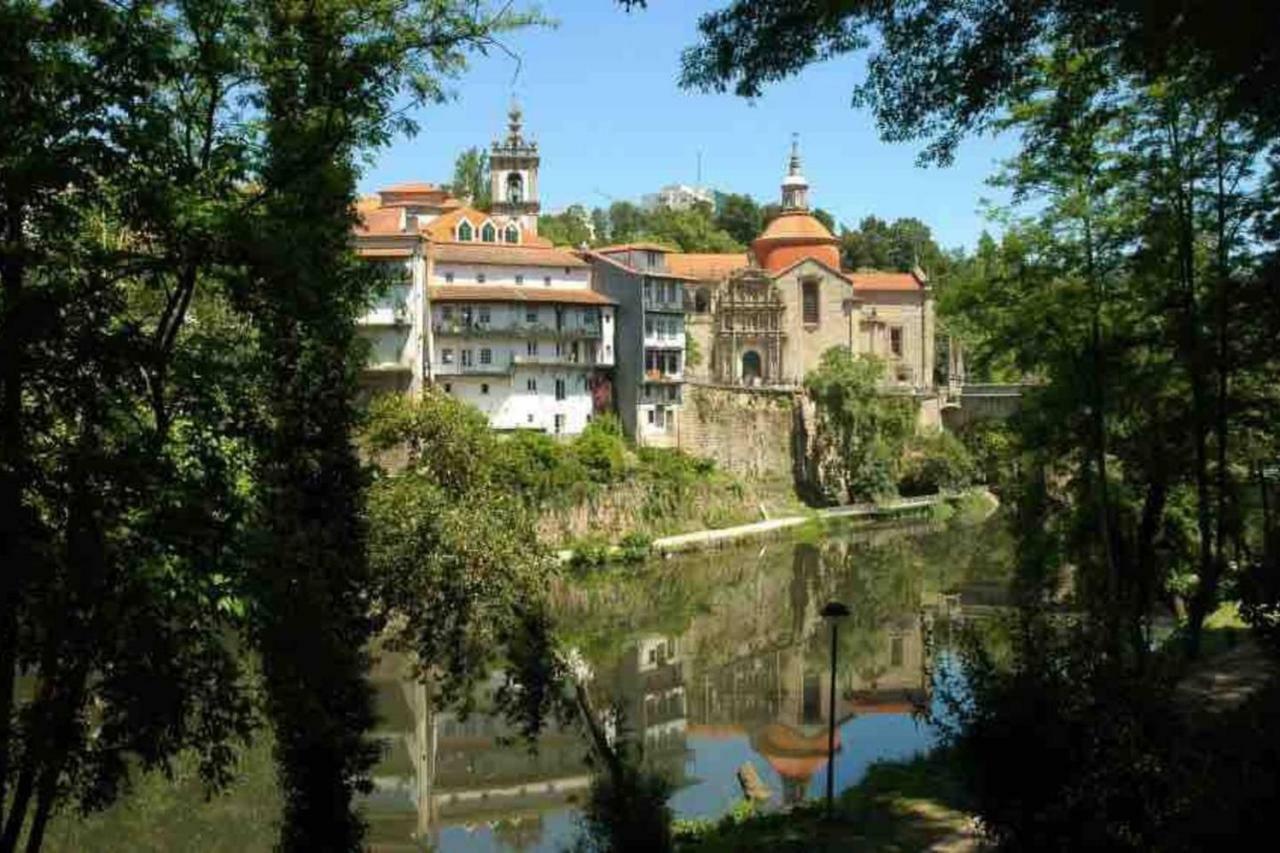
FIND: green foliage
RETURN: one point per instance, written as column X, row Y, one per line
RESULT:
column 570, row 228
column 862, row 433
column 902, row 245
column 471, row 178
column 458, row 577
column 992, row 445
column 601, row 450
column 936, row 461
column 740, row 217
column 626, row 809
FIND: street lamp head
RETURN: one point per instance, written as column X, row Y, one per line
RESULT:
column 834, row 611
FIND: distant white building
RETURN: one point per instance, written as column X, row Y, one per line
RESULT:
column 678, row 197
column 479, row 305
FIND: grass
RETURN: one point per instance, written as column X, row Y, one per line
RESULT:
column 903, row 806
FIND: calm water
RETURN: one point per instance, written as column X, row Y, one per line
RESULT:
column 716, row 660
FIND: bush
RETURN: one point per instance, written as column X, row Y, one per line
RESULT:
column 936, row 462
column 993, row 446
column 601, row 450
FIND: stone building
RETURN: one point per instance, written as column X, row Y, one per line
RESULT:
column 479, row 305
column 650, row 337
column 765, row 317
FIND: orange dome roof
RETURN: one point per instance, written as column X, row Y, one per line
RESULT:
column 794, row 754
column 794, row 235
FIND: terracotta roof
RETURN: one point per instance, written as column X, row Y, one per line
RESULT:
column 796, row 225
column 876, row 280
column 594, row 255
column 414, row 187
column 442, row 227
column 819, row 261
column 514, row 293
column 384, row 220
column 507, row 254
column 706, row 266
column 642, row 246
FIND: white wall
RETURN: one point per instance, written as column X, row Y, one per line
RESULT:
column 510, row 404
column 568, row 278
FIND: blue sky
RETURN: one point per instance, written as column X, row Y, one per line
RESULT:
column 600, row 96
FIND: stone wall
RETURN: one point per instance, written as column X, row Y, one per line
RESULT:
column 745, row 430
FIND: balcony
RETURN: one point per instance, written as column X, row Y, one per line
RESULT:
column 386, row 316
column 554, row 360
column 664, row 377
column 498, row 367
column 567, row 331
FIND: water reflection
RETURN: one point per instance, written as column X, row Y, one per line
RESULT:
column 715, row 660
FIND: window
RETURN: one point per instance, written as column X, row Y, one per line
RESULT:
column 488, row 233
column 484, row 313
column 652, row 258
column 466, row 314
column 531, row 385
column 701, row 300
column 531, row 315
column 896, row 651
column 560, row 389
column 448, row 278
column 512, row 234
column 651, row 416
column 446, row 313
column 466, row 358
column 448, row 388
column 465, row 232
column 531, row 347
column 648, row 290
column 559, row 421
column 484, row 387
column 446, row 355
column 895, row 340
column 809, row 301
column 479, row 278
column 486, row 355
column 648, row 327
column 528, row 418
column 515, row 188
column 519, row 278
column 546, row 281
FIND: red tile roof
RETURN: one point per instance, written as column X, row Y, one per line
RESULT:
column 877, row 280
column 707, row 266
column 515, row 293
column 383, row 220
column 506, row 254
column 627, row 247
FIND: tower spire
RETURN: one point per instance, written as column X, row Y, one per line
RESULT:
column 515, row 120
column 795, row 189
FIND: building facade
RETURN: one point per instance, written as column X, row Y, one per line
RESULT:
column 480, row 306
column 650, row 338
column 765, row 317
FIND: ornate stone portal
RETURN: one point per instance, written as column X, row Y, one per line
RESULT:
column 749, row 332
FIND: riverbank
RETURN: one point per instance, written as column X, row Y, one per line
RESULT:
column 979, row 502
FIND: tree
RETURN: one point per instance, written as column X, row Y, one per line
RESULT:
column 942, row 70
column 690, row 230
column 168, row 486
column 626, row 221
column 862, row 433
column 570, row 228
column 471, row 178
column 444, row 525
column 825, row 218
column 740, row 217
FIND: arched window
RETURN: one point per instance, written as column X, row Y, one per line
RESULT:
column 512, row 234
column 701, row 300
column 515, row 188
column 465, row 232
column 751, row 366
column 488, row 233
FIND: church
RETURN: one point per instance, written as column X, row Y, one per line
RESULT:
column 765, row 317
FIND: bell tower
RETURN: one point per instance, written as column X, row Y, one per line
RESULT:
column 795, row 189
column 513, row 175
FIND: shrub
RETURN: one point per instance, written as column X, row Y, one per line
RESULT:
column 935, row 462
column 993, row 446
column 601, row 450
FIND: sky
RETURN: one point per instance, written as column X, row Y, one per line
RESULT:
column 600, row 96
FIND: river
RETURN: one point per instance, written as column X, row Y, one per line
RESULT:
column 715, row 659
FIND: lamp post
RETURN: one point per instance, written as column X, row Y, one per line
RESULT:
column 833, row 612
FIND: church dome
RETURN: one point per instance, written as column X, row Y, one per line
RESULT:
column 792, row 236
column 795, row 234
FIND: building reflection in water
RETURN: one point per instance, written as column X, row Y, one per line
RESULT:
column 751, row 665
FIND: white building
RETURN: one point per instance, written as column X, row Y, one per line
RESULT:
column 677, row 197
column 479, row 305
